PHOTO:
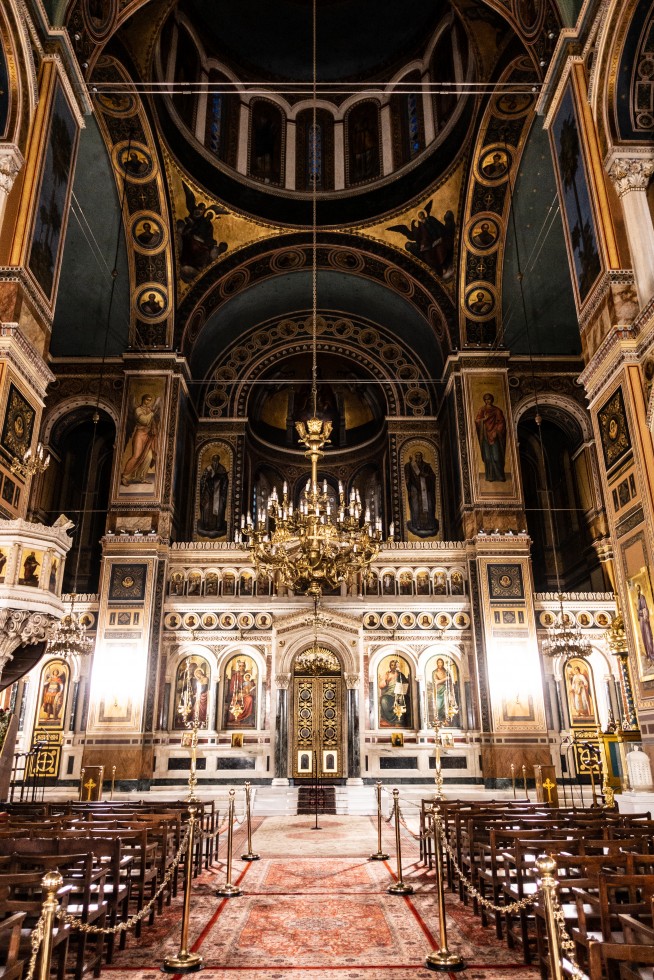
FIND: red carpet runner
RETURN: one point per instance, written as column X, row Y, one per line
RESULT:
column 315, row 907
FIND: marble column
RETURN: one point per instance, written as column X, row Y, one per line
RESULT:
column 387, row 139
column 339, row 155
column 11, row 161
column 282, row 682
column 630, row 174
column 353, row 730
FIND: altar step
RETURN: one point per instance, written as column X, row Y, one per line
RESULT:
column 278, row 801
column 312, row 799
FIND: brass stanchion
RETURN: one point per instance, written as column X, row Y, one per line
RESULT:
column 51, row 882
column 228, row 890
column 380, row 855
column 399, row 887
column 185, row 961
column 113, row 781
column 524, row 781
column 81, row 783
column 442, row 960
column 250, row 856
column 513, row 779
column 546, row 866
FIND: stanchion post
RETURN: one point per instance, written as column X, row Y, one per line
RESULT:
column 250, row 856
column 513, row 779
column 185, row 961
column 51, row 882
column 524, row 781
column 548, row 884
column 398, row 887
column 380, row 855
column 441, row 960
column 228, row 890
column 113, row 781
column 81, row 783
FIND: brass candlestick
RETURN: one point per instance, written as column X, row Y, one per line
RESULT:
column 513, row 779
column 189, row 709
column 524, row 781
column 81, row 783
column 113, row 780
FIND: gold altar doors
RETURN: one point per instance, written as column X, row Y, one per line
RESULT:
column 317, row 727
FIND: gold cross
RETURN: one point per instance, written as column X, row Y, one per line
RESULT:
column 549, row 786
column 90, row 786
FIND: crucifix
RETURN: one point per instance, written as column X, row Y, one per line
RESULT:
column 90, row 786
column 549, row 786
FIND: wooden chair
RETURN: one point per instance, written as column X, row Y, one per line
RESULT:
column 619, row 960
column 11, row 967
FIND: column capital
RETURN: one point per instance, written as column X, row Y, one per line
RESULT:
column 630, row 171
column 352, row 681
column 282, row 681
column 11, row 161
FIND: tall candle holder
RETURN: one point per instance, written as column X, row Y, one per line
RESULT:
column 189, row 711
column 443, row 739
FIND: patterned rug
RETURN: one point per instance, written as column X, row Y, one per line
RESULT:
column 315, row 907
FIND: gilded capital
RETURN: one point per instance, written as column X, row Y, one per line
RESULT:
column 630, row 173
column 282, row 681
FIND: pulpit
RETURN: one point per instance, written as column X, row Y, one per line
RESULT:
column 91, row 784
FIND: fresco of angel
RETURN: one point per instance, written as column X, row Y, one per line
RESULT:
column 140, row 456
column 197, row 245
column 430, row 239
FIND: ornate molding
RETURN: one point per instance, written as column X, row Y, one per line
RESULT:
column 23, row 626
column 11, row 161
column 282, row 681
column 352, row 681
column 630, row 173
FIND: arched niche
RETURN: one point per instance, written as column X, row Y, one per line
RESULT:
column 560, row 502
column 221, row 129
column 77, row 484
column 363, row 141
column 321, row 163
column 267, row 139
column 407, row 121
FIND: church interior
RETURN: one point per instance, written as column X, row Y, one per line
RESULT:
column 327, row 480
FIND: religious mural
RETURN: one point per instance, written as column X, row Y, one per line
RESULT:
column 581, row 692
column 394, row 693
column 140, row 460
column 213, row 490
column 4, row 92
column 431, row 239
column 31, row 565
column 491, row 440
column 240, row 693
column 579, row 221
column 641, row 604
column 197, row 246
column 18, row 424
column 51, row 209
column 53, row 690
column 191, row 692
column 614, row 431
column 421, row 492
column 443, row 691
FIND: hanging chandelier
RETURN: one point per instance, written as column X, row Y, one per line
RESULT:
column 69, row 637
column 31, row 463
column 564, row 639
column 317, row 659
column 309, row 548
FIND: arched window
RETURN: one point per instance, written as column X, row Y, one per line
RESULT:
column 443, row 75
column 266, row 142
column 318, row 165
column 407, row 122
column 187, row 71
column 395, row 695
column 221, row 130
column 363, row 156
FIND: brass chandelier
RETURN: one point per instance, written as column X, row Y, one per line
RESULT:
column 69, row 636
column 565, row 639
column 308, row 548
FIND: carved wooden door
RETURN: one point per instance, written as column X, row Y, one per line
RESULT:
column 317, row 727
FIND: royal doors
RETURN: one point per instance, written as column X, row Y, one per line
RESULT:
column 317, row 732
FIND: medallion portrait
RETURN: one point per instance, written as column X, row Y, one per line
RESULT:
column 240, row 692
column 479, row 301
column 394, row 693
column 134, row 161
column 494, row 165
column 152, row 302
column 484, row 233
column 147, row 231
column 18, row 425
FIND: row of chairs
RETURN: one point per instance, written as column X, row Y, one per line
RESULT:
column 605, row 866
column 113, row 858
